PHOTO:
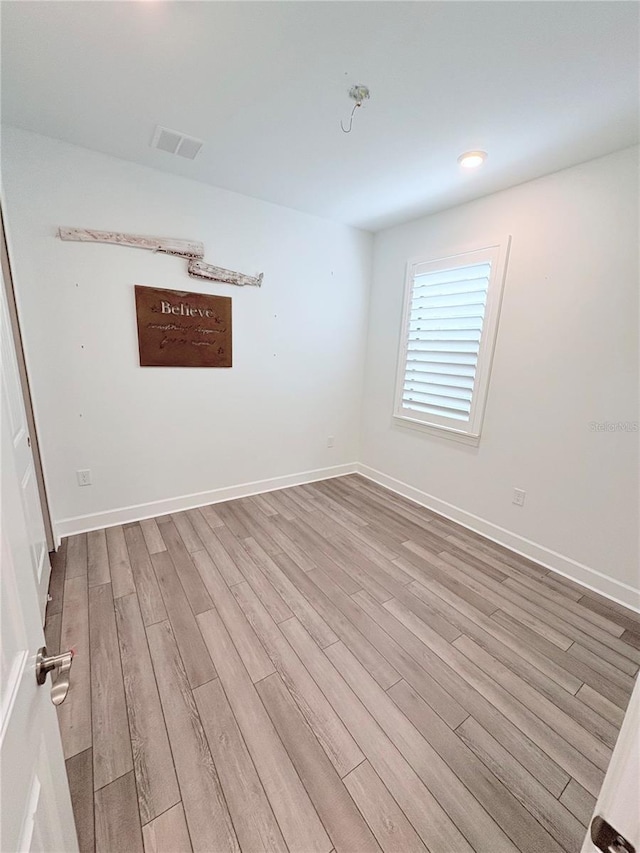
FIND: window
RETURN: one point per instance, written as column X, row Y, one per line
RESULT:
column 450, row 324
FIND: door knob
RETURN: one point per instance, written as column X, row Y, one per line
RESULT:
column 606, row 838
column 61, row 663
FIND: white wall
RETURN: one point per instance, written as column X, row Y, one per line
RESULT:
column 150, row 434
column 566, row 355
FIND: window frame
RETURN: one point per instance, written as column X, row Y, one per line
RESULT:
column 469, row 432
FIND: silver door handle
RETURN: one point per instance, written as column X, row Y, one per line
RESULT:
column 61, row 663
column 608, row 839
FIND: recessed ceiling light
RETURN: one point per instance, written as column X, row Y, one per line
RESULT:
column 472, row 159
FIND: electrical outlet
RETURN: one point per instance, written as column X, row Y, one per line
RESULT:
column 331, row 441
column 519, row 496
column 84, row 477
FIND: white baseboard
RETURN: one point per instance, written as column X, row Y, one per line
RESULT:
column 584, row 575
column 124, row 515
column 617, row 591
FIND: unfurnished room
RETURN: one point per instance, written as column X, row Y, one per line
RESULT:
column 320, row 426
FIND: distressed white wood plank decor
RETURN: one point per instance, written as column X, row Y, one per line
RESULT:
column 166, row 245
column 198, row 269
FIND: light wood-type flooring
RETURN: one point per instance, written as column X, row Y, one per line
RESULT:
column 331, row 667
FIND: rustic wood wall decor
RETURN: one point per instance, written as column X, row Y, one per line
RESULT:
column 190, row 249
column 178, row 329
column 198, row 269
column 166, row 245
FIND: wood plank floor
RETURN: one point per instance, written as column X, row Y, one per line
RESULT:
column 331, row 667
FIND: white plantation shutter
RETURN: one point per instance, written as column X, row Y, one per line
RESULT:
column 451, row 313
column 445, row 326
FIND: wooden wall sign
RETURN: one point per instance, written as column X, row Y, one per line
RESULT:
column 178, row 329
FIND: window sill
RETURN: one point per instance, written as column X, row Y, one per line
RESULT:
column 439, row 431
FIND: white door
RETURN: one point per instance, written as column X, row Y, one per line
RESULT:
column 35, row 806
column 23, row 461
column 619, row 800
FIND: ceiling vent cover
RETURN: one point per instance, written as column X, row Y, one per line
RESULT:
column 174, row 142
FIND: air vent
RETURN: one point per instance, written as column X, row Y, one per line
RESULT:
column 174, row 142
column 189, row 147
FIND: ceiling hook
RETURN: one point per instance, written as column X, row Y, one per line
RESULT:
column 357, row 93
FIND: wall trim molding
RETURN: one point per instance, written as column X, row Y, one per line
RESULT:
column 592, row 579
column 137, row 512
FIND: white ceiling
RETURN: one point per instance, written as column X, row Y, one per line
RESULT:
column 540, row 86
